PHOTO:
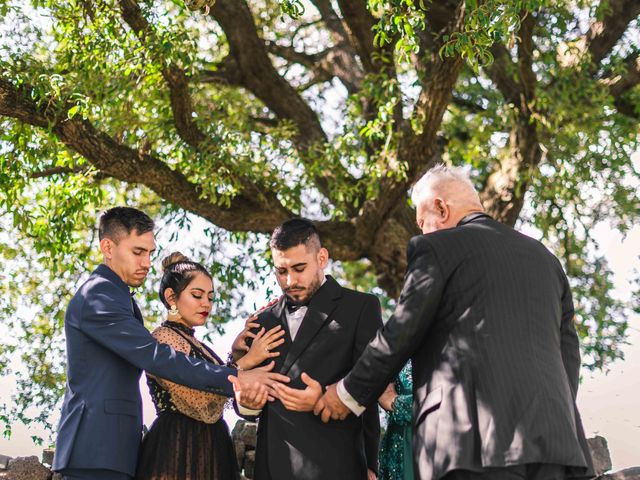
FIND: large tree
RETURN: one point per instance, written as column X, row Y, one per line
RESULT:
column 248, row 113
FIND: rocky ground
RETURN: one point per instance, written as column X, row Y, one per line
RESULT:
column 244, row 441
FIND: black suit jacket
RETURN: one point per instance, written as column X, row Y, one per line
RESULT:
column 339, row 323
column 486, row 316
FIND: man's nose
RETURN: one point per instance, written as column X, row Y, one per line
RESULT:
column 146, row 261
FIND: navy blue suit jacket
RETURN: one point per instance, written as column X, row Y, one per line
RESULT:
column 107, row 349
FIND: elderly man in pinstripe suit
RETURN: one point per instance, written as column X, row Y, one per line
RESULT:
column 487, row 318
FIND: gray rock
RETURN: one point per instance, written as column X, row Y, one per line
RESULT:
column 57, row 476
column 4, row 461
column 250, row 462
column 47, row 456
column 26, row 468
column 632, row 473
column 245, row 432
column 600, row 454
column 239, row 447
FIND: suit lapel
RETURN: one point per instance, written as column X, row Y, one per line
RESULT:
column 279, row 312
column 279, row 318
column 320, row 308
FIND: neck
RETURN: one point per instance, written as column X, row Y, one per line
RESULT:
column 181, row 322
column 113, row 268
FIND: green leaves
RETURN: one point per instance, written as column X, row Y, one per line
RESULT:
column 292, row 8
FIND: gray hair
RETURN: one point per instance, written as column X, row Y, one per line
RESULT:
column 447, row 182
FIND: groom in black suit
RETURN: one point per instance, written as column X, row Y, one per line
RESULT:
column 487, row 318
column 327, row 327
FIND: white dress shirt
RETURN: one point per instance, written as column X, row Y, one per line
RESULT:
column 346, row 398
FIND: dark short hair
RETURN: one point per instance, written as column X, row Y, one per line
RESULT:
column 179, row 271
column 294, row 232
column 121, row 221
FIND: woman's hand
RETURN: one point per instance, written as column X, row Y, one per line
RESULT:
column 388, row 397
column 239, row 346
column 262, row 347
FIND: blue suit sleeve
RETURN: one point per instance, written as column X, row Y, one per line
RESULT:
column 107, row 318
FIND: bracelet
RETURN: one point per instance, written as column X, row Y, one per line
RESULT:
column 232, row 364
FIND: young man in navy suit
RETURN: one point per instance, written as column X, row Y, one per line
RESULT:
column 108, row 347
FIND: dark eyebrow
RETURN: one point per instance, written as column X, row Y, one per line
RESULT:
column 301, row 264
column 201, row 290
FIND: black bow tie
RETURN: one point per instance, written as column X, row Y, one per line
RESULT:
column 293, row 307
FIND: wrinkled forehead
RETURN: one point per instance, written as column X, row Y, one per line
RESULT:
column 145, row 241
column 292, row 256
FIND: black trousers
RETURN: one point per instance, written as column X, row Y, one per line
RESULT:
column 530, row 471
column 92, row 474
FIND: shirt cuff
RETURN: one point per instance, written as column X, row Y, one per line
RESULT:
column 346, row 398
column 247, row 411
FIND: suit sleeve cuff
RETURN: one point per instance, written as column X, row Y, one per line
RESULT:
column 348, row 400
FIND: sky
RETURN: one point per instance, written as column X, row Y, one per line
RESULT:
column 608, row 401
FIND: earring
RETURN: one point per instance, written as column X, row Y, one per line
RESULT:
column 174, row 314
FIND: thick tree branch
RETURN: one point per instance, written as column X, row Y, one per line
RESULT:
column 503, row 193
column 180, row 97
column 176, row 79
column 331, row 19
column 360, row 23
column 621, row 84
column 50, row 172
column 324, row 65
column 343, row 53
column 261, row 78
column 502, row 73
column 604, row 34
column 418, row 150
column 116, row 160
column 375, row 60
column 225, row 72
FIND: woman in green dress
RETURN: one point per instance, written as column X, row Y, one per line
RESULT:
column 396, row 457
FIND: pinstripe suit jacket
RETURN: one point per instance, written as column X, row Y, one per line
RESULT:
column 486, row 316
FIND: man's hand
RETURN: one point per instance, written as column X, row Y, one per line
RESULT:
column 330, row 406
column 253, row 398
column 263, row 376
column 299, row 400
column 371, row 475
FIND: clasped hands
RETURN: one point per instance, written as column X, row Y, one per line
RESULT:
column 255, row 387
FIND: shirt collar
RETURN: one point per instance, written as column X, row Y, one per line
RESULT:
column 472, row 217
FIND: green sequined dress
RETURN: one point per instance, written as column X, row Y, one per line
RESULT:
column 396, row 457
